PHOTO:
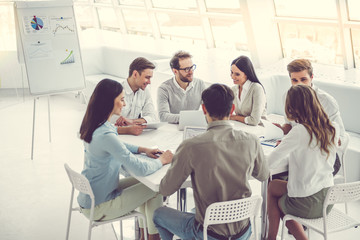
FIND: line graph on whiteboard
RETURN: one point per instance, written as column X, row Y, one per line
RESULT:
column 62, row 25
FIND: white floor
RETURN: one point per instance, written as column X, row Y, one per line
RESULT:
column 35, row 193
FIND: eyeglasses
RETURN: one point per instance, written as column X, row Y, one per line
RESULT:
column 188, row 69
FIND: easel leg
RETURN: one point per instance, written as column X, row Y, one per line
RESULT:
column 33, row 130
column 49, row 118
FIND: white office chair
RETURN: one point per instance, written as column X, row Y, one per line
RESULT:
column 336, row 220
column 340, row 177
column 81, row 183
column 232, row 211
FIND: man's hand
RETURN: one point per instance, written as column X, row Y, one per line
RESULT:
column 166, row 157
column 135, row 129
column 139, row 121
column 123, row 121
column 132, row 129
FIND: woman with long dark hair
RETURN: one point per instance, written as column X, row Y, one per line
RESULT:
column 309, row 150
column 250, row 100
column 106, row 154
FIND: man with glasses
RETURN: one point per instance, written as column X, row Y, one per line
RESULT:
column 182, row 92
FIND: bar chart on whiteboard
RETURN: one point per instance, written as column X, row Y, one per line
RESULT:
column 69, row 57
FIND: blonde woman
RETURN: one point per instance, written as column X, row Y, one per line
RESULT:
column 309, row 150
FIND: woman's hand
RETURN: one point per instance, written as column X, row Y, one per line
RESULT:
column 166, row 157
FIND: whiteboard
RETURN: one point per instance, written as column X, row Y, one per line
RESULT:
column 48, row 41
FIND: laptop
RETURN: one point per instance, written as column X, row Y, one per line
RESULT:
column 191, row 131
column 194, row 118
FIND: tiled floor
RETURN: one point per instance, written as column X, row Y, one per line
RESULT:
column 35, row 193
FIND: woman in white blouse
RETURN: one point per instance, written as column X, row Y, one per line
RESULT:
column 250, row 100
column 309, row 150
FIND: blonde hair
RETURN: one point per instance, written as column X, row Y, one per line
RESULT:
column 303, row 106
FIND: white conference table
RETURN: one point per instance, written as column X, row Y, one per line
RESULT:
column 168, row 137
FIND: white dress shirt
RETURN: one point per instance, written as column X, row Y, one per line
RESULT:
column 310, row 170
column 138, row 104
column 330, row 107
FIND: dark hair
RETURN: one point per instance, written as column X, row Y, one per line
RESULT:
column 140, row 64
column 174, row 62
column 303, row 106
column 243, row 63
column 299, row 65
column 218, row 100
column 99, row 108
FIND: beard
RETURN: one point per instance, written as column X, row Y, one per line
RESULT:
column 184, row 78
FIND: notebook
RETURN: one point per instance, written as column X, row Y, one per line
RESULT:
column 153, row 125
column 194, row 118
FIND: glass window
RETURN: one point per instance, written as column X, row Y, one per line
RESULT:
column 180, row 26
column 306, row 8
column 183, row 4
column 108, row 19
column 316, row 43
column 103, row 1
column 137, row 22
column 84, row 17
column 223, row 6
column 229, row 33
column 7, row 29
column 355, row 34
column 132, row 2
column 353, row 9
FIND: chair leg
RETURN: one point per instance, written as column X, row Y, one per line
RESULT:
column 346, row 208
column 283, row 228
column 121, row 231
column 69, row 216
column 89, row 232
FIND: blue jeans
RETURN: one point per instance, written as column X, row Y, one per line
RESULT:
column 170, row 222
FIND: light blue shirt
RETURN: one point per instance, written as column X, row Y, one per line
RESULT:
column 105, row 155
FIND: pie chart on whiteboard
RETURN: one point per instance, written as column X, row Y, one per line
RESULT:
column 37, row 23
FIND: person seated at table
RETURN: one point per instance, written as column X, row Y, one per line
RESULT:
column 301, row 72
column 182, row 92
column 250, row 100
column 106, row 154
column 220, row 161
column 139, row 107
column 309, row 151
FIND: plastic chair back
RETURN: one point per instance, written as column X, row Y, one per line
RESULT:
column 342, row 193
column 231, row 211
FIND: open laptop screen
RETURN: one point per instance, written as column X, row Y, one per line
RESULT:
column 192, row 118
column 191, row 131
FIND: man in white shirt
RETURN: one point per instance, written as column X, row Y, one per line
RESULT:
column 139, row 107
column 301, row 72
column 182, row 92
